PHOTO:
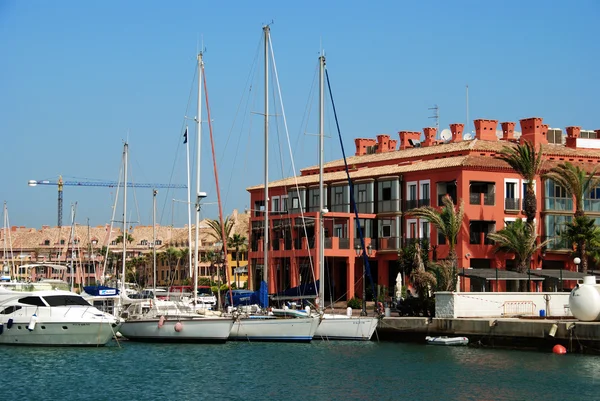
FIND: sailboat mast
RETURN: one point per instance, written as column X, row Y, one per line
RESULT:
column 321, row 192
column 266, row 30
column 72, row 243
column 198, row 197
column 125, row 152
column 154, row 192
column 189, row 204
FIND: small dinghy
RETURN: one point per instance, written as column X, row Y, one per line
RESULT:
column 444, row 340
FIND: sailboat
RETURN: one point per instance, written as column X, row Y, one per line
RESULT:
column 156, row 324
column 334, row 326
column 265, row 327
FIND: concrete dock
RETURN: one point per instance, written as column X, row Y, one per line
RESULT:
column 518, row 333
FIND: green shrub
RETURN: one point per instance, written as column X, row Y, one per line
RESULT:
column 355, row 303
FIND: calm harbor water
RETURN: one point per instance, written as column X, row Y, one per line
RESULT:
column 316, row 371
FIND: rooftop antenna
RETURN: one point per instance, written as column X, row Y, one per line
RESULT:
column 467, row 122
column 436, row 115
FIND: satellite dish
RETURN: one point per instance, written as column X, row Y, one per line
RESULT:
column 467, row 136
column 446, row 135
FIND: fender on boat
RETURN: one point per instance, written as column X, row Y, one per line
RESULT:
column 9, row 324
column 161, row 322
column 32, row 322
column 178, row 327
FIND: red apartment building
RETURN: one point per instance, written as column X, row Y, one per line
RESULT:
column 389, row 180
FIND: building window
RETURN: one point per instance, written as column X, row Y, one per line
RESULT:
column 62, row 241
column 477, row 229
column 557, row 197
column 425, row 191
column 144, row 242
column 425, row 229
column 511, row 195
column 338, row 195
column 363, row 194
column 386, row 190
column 284, row 203
column 295, row 203
column 275, row 204
column 158, row 242
column 47, row 242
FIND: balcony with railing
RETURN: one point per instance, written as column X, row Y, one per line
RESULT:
column 388, row 243
column 424, row 202
column 558, row 204
column 441, row 197
column 411, row 204
column 387, row 206
column 512, row 204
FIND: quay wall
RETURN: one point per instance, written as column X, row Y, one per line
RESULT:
column 501, row 304
column 521, row 333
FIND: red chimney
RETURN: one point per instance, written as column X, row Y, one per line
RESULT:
column 486, row 129
column 533, row 131
column 508, row 130
column 572, row 135
column 429, row 136
column 383, row 143
column 457, row 130
column 362, row 144
column 405, row 136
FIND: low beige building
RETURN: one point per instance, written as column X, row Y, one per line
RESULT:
column 96, row 252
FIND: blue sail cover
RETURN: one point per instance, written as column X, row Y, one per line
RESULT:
column 306, row 290
column 100, row 290
column 241, row 297
column 263, row 295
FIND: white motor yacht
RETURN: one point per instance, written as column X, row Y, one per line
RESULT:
column 33, row 316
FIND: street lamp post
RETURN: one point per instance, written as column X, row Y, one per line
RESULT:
column 577, row 261
column 364, row 286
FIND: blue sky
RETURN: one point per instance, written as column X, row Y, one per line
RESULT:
column 78, row 78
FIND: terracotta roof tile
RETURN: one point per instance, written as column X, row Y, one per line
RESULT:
column 407, row 160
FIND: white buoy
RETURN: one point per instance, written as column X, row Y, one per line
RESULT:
column 32, row 322
column 584, row 300
column 349, row 311
column 307, row 309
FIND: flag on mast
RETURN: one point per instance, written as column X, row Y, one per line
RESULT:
column 185, row 136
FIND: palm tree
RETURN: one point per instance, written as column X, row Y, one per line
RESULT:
column 582, row 232
column 119, row 239
column 423, row 280
column 519, row 239
column 448, row 222
column 527, row 163
column 216, row 232
column 237, row 241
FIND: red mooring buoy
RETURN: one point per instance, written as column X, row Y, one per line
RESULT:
column 559, row 349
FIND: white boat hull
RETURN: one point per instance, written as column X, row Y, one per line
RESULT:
column 342, row 327
column 58, row 334
column 192, row 330
column 257, row 328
